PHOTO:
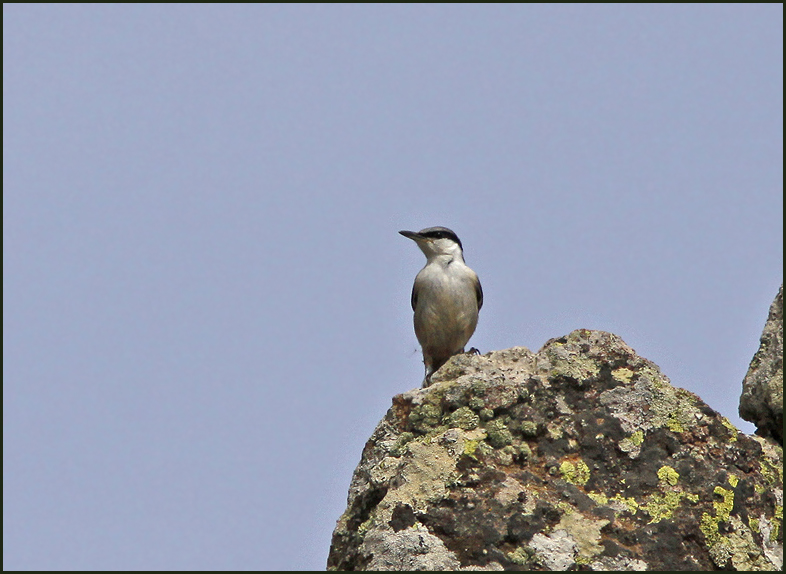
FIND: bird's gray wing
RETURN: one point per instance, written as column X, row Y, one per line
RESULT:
column 414, row 297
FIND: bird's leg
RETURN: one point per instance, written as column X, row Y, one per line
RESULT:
column 430, row 370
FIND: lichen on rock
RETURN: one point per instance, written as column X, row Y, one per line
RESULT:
column 761, row 401
column 580, row 456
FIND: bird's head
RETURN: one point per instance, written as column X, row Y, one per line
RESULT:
column 436, row 241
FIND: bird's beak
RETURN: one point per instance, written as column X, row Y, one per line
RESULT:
column 412, row 235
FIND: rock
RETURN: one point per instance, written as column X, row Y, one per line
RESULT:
column 580, row 456
column 762, row 390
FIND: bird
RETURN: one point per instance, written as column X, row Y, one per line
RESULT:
column 446, row 297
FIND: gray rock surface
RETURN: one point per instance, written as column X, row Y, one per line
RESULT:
column 762, row 390
column 580, row 456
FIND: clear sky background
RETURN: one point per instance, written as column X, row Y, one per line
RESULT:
column 205, row 297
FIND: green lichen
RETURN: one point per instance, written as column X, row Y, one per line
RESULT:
column 524, row 451
column 777, row 521
column 529, row 428
column 754, row 524
column 734, row 430
column 476, row 447
column 576, row 367
column 733, row 480
column 365, row 525
column 720, row 548
column 520, row 556
column 575, row 474
column 674, row 423
column 662, row 506
column 463, row 418
column 584, row 531
column 476, row 403
column 598, row 497
column 709, row 527
column 498, row 434
column 398, row 447
column 486, row 414
column 723, row 507
column 632, row 442
column 485, row 448
column 734, row 548
column 622, row 374
column 771, row 473
column 670, row 407
column 424, row 418
column 630, row 503
column 555, row 431
column 668, row 475
column 470, row 447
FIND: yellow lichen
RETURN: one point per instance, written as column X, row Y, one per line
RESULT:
column 470, row 446
column 519, row 556
column 754, row 524
column 674, row 424
column 723, row 507
column 632, row 442
column 630, row 503
column 771, row 473
column 734, row 430
column 575, row 474
column 668, row 475
column 365, row 525
column 622, row 374
column 720, row 548
column 709, row 527
column 585, row 532
column 598, row 497
column 777, row 520
column 662, row 506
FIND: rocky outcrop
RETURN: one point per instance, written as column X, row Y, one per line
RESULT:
column 580, row 456
column 762, row 390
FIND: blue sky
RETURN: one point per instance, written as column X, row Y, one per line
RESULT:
column 206, row 301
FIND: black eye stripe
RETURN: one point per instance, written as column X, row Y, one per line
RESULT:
column 440, row 233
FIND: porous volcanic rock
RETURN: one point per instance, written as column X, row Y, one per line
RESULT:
column 581, row 456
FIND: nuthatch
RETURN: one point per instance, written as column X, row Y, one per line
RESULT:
column 446, row 297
